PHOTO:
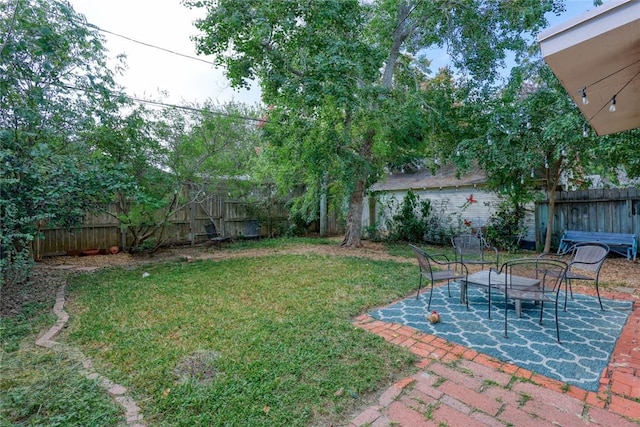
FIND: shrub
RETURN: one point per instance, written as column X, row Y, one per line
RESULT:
column 418, row 220
column 506, row 225
column 374, row 233
column 409, row 222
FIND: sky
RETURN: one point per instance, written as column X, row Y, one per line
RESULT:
column 169, row 24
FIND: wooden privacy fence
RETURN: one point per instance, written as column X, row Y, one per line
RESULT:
column 186, row 226
column 613, row 210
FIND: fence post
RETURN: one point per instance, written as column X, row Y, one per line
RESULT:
column 123, row 238
column 192, row 223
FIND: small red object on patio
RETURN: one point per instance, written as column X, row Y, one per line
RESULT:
column 434, row 317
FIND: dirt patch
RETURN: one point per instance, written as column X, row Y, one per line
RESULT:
column 50, row 273
column 199, row 366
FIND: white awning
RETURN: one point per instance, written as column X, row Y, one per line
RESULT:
column 599, row 51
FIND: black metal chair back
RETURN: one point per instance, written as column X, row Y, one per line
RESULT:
column 473, row 249
column 533, row 279
column 434, row 270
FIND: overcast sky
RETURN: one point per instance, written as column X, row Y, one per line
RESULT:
column 168, row 24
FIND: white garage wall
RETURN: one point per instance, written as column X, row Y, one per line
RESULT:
column 452, row 202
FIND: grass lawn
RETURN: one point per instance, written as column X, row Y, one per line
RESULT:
column 41, row 387
column 247, row 341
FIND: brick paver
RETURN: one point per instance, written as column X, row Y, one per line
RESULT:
column 133, row 415
column 461, row 387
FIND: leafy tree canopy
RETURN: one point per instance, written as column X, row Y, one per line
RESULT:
column 337, row 72
column 53, row 80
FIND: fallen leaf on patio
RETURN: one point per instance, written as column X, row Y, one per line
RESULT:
column 339, row 392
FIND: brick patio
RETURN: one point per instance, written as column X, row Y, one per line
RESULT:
column 457, row 386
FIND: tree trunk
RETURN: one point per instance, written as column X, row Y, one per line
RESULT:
column 550, row 213
column 353, row 234
column 553, row 178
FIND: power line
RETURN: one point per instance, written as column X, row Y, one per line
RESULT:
column 102, row 30
column 149, row 44
column 97, row 28
column 410, row 12
column 149, row 101
column 163, row 104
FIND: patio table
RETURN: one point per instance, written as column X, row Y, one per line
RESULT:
column 497, row 282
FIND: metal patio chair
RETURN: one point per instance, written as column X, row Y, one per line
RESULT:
column 214, row 236
column 472, row 249
column 585, row 261
column 533, row 279
column 437, row 270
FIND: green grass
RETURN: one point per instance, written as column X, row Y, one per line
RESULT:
column 43, row 387
column 278, row 243
column 280, row 327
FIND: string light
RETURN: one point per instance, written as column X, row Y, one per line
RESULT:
column 585, row 131
column 612, row 107
column 522, row 180
column 563, row 152
column 532, row 173
column 489, row 142
column 546, row 163
column 457, row 152
column 585, row 100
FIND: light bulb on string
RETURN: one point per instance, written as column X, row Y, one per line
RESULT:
column 546, row 163
column 585, row 100
column 612, row 107
column 489, row 142
column 532, row 173
column 458, row 152
column 522, row 180
column 563, row 152
column 585, row 131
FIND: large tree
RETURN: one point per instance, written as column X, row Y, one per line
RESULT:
column 168, row 158
column 535, row 139
column 338, row 59
column 53, row 80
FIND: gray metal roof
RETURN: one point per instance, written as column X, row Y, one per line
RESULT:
column 445, row 177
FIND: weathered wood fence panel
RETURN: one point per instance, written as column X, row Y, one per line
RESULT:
column 186, row 226
column 613, row 210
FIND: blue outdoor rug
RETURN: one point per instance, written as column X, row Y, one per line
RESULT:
column 587, row 334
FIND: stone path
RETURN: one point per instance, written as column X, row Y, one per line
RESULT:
column 118, row 392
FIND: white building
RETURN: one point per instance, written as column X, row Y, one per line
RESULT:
column 464, row 199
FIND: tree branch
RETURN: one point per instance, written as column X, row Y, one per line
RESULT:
column 400, row 34
column 269, row 48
